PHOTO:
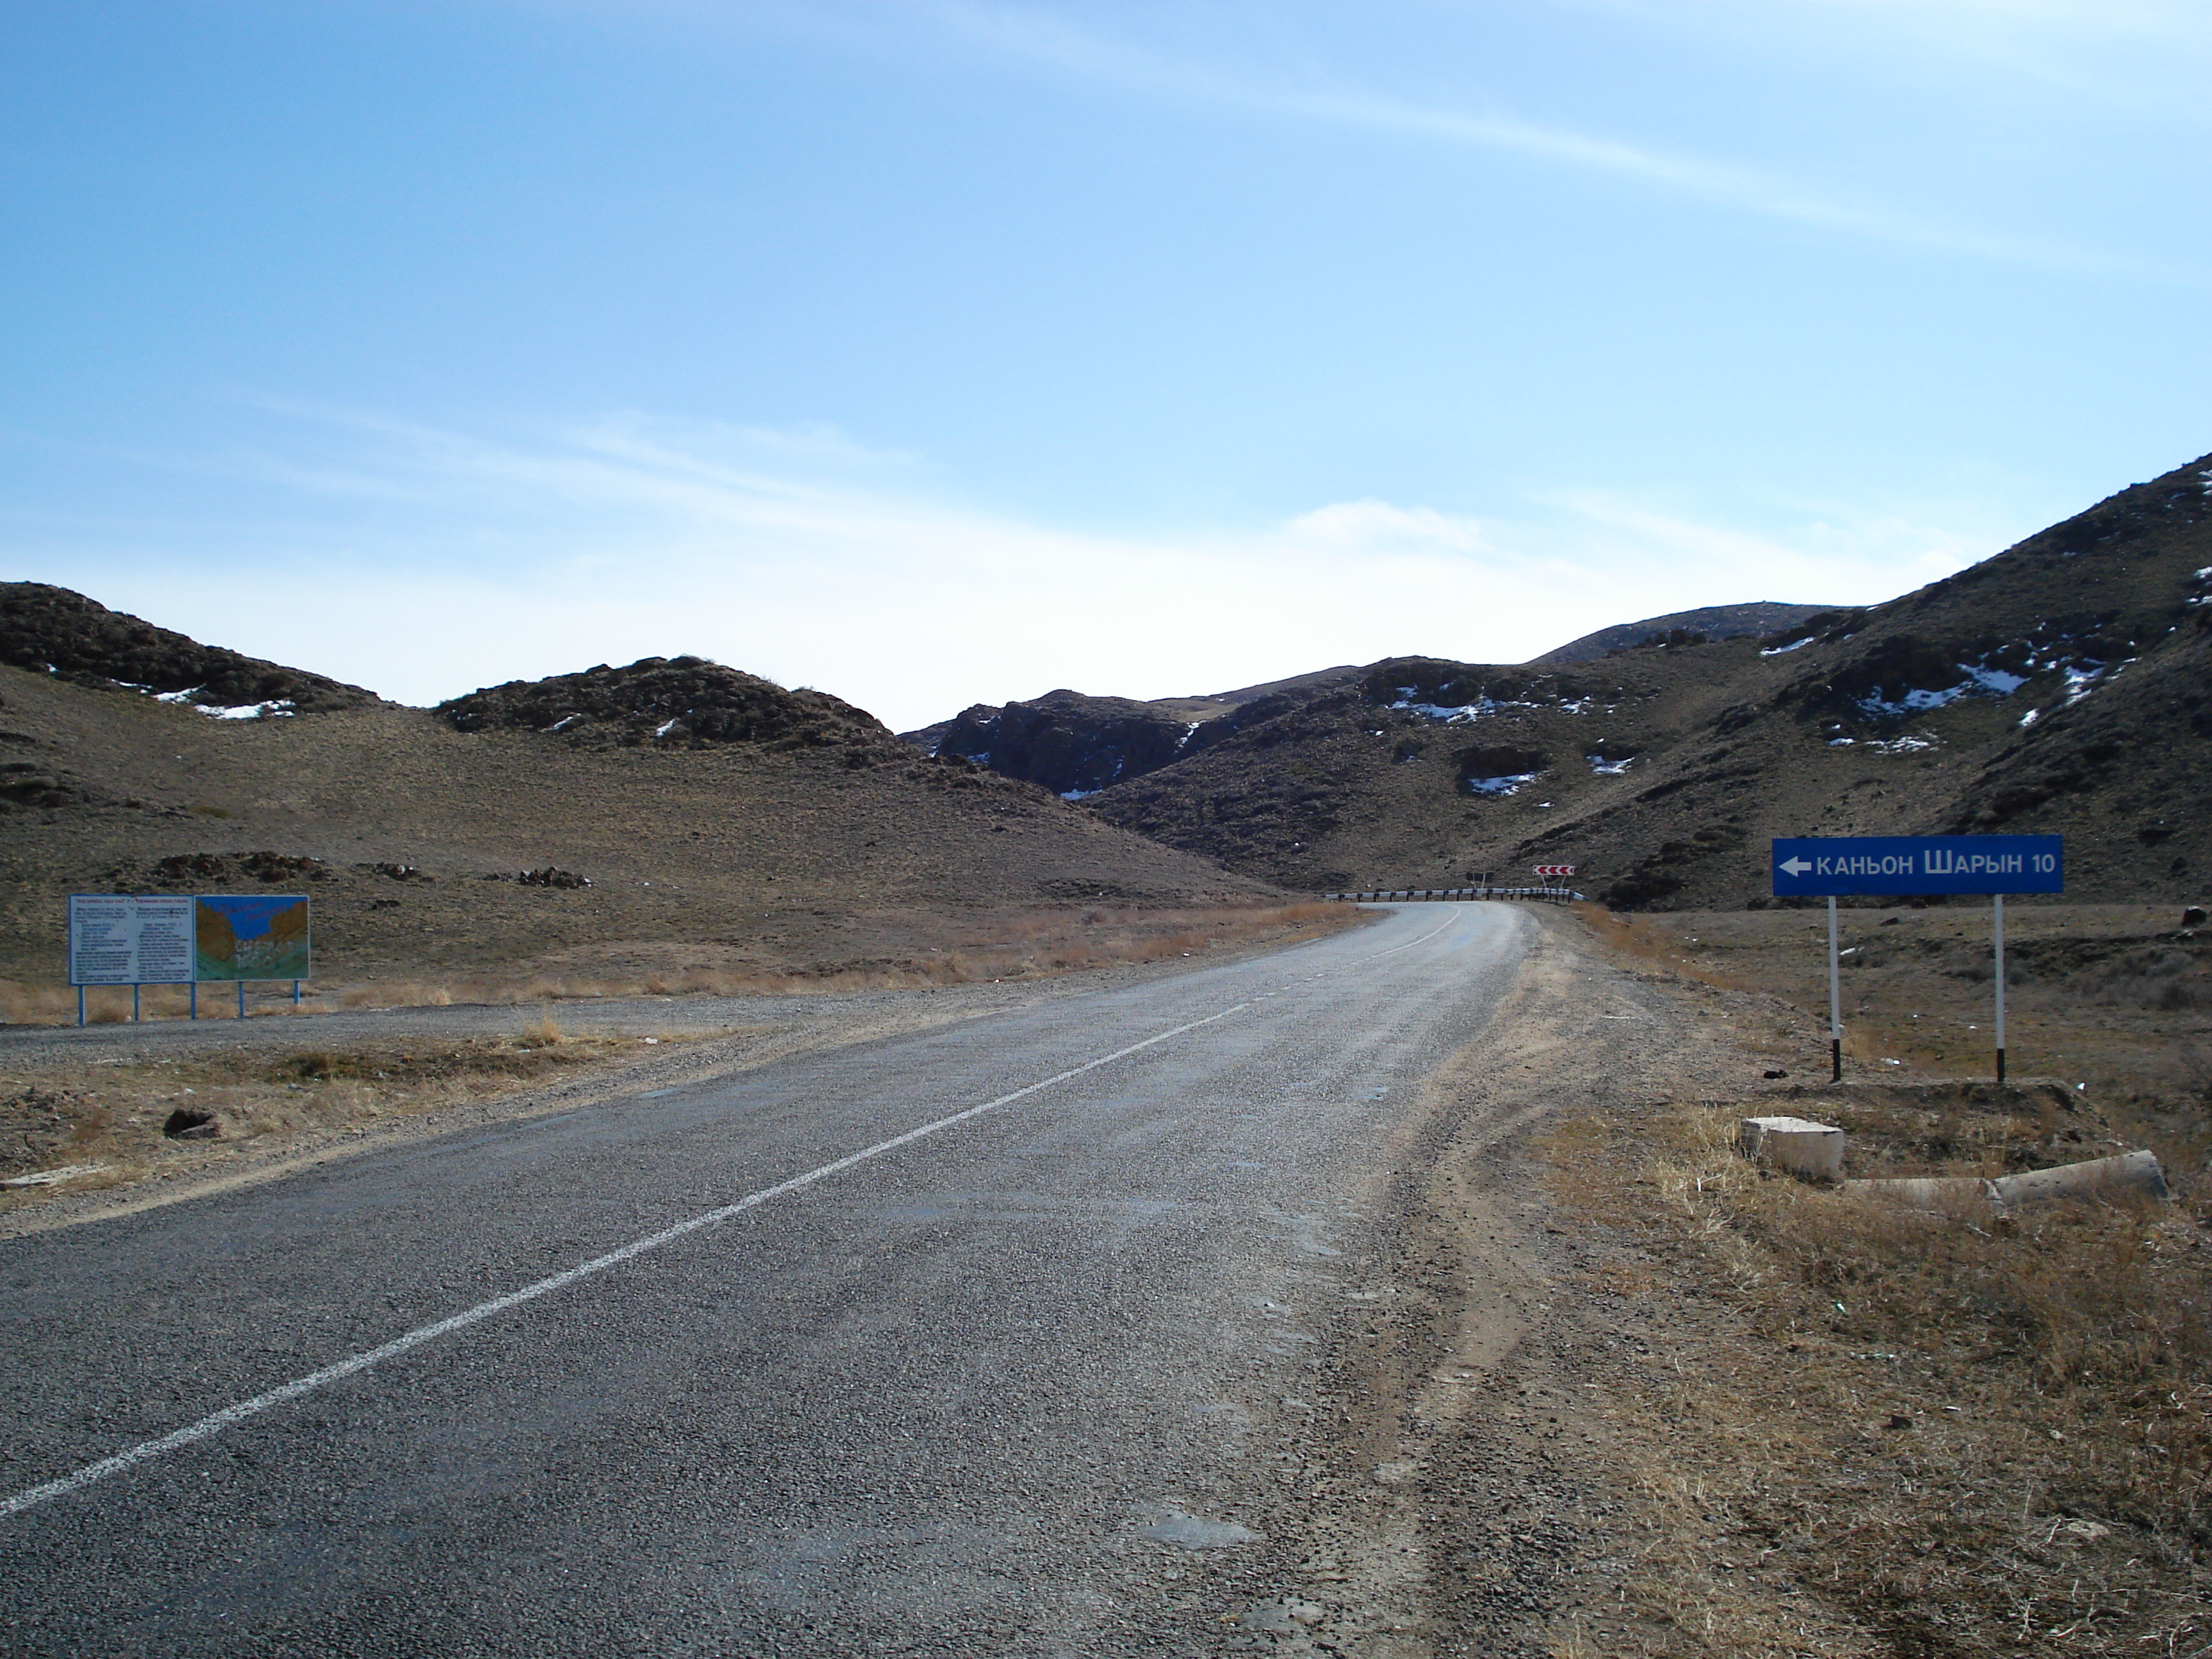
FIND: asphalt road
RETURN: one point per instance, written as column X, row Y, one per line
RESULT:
column 997, row 1387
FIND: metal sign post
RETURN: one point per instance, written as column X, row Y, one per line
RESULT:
column 1910, row 866
column 1835, row 1000
column 1996, row 931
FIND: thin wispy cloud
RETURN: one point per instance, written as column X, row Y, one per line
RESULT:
column 1046, row 38
column 2134, row 53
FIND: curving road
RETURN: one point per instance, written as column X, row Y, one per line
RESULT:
column 962, row 1342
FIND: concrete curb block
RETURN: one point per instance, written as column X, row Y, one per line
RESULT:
column 1809, row 1150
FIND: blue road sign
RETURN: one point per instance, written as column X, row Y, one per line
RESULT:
column 1810, row 866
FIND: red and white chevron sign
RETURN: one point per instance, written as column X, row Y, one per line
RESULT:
column 1555, row 869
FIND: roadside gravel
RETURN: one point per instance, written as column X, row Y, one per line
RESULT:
column 1457, row 1471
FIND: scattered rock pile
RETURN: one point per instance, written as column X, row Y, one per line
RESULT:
column 552, row 876
column 214, row 869
column 28, row 783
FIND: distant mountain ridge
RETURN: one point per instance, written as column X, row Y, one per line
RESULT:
column 2062, row 686
column 1075, row 745
column 1078, row 745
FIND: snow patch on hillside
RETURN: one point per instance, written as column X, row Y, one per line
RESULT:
column 1505, row 786
column 245, row 711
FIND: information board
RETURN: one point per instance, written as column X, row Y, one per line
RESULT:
column 118, row 938
column 1812, row 866
column 164, row 938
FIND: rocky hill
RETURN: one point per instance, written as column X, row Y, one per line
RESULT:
column 52, row 630
column 674, row 702
column 2062, row 686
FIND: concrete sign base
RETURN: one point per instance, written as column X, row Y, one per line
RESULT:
column 1809, row 1150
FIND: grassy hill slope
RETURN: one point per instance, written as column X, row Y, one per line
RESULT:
column 805, row 834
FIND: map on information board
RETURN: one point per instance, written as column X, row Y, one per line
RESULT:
column 250, row 936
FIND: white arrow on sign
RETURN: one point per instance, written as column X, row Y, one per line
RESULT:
column 1794, row 866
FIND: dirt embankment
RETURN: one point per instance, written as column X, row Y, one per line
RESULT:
column 1629, row 1396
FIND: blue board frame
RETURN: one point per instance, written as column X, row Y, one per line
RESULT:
column 1819, row 867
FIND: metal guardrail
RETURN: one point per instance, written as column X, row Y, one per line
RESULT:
column 1458, row 895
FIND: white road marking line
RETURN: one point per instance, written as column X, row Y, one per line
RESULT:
column 1411, row 943
column 230, row 1415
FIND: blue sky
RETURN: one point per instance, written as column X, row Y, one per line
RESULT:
column 938, row 352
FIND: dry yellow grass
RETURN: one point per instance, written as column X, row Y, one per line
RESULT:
column 1900, row 1432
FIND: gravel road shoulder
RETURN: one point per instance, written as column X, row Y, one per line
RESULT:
column 1451, row 1483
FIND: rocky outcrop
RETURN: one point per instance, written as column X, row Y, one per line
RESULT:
column 1067, row 743
column 672, row 702
column 1495, row 769
column 1075, row 745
